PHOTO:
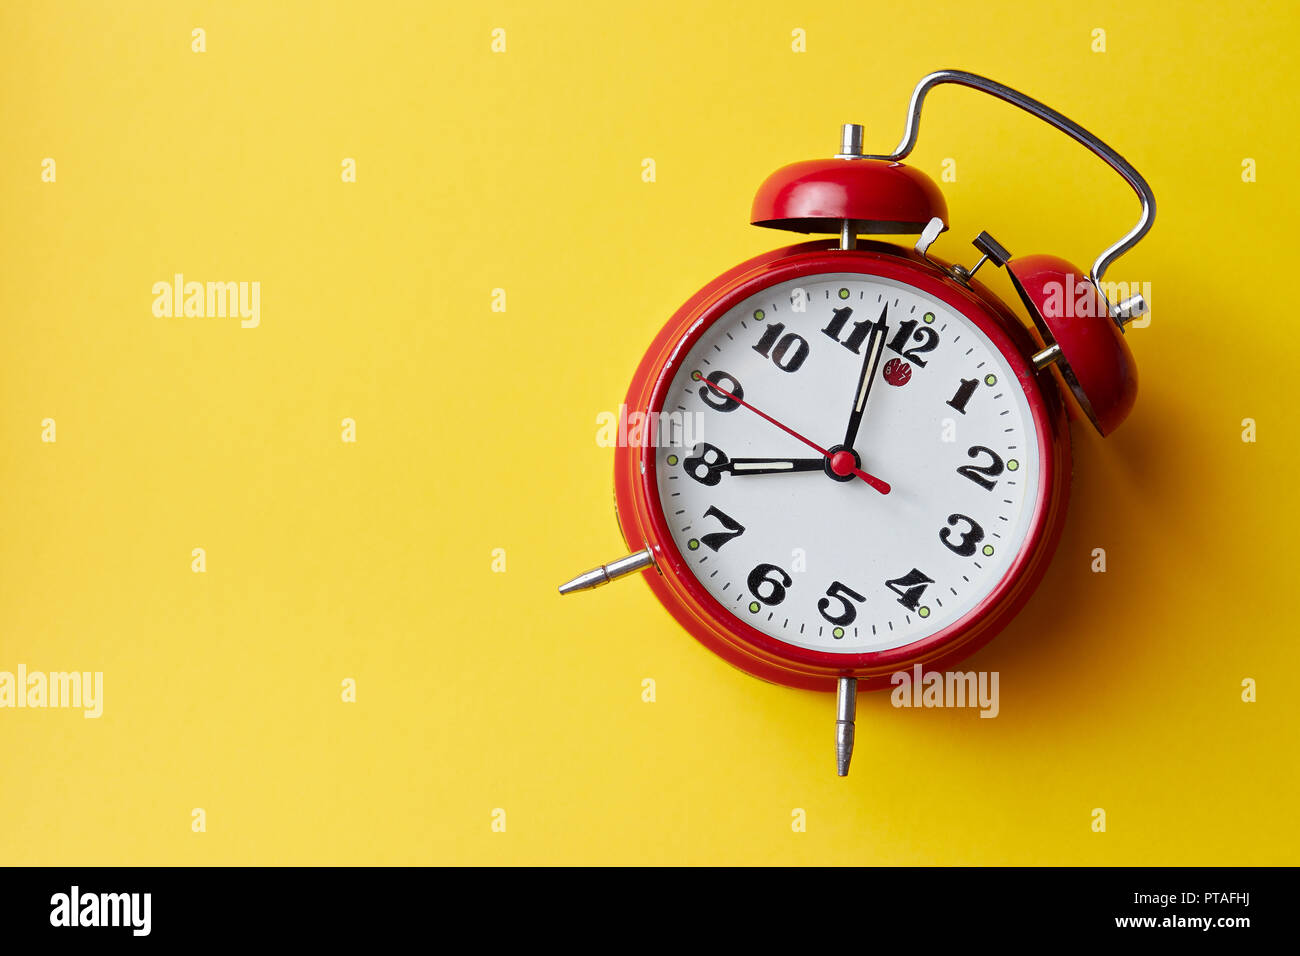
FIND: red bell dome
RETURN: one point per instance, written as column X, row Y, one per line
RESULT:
column 818, row 195
column 1094, row 360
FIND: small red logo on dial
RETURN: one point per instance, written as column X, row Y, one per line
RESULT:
column 897, row 372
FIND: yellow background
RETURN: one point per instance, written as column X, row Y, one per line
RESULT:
column 476, row 430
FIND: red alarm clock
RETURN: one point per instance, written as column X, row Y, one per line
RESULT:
column 851, row 457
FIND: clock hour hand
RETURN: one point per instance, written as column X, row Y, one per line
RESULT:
column 875, row 350
column 774, row 466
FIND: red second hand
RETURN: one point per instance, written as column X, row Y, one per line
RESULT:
column 872, row 480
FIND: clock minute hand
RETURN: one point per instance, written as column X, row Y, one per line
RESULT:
column 872, row 480
column 774, row 466
column 870, row 365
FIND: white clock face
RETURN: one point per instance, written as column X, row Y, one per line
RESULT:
column 803, row 547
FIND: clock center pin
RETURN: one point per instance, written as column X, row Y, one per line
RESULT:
column 841, row 462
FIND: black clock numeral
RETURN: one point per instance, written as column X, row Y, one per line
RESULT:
column 715, row 399
column 836, row 324
column 980, row 474
column 861, row 329
column 926, row 336
column 970, row 538
column 909, row 588
column 790, row 351
column 717, row 539
column 964, row 392
column 777, row 581
column 706, row 464
column 846, row 596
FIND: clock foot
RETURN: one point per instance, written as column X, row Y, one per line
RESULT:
column 608, row 572
column 846, row 709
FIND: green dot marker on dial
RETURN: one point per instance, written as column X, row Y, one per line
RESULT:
column 837, row 633
column 759, row 315
column 844, row 293
column 673, row 459
column 924, row 612
column 928, row 317
column 1012, row 465
column 753, row 607
column 988, row 550
column 990, row 379
column 696, row 375
column 693, row 544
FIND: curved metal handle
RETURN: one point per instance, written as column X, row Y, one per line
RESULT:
column 1053, row 118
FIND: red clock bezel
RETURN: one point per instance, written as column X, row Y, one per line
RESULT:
column 641, row 517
